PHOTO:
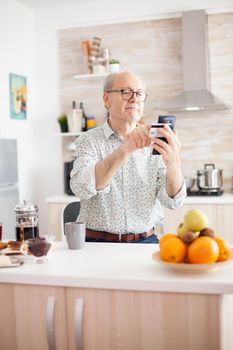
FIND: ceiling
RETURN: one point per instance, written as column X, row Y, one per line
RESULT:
column 168, row 4
column 36, row 4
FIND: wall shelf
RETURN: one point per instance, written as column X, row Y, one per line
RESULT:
column 89, row 76
column 69, row 134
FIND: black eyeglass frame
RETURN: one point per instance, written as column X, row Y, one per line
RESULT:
column 137, row 93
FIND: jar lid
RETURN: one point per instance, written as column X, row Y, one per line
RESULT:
column 25, row 207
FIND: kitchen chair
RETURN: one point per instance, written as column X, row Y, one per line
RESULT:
column 70, row 213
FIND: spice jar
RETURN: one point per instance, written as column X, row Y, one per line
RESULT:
column 26, row 221
column 90, row 121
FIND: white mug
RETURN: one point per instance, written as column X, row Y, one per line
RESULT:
column 75, row 234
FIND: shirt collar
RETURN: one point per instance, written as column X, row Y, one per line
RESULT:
column 108, row 132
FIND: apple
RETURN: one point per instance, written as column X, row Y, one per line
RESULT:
column 195, row 220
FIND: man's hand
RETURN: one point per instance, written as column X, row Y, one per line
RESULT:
column 171, row 156
column 138, row 138
column 169, row 151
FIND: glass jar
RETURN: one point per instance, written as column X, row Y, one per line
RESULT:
column 98, row 65
column 91, row 122
column 26, row 221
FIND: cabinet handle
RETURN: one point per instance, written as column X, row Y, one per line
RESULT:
column 50, row 314
column 78, row 324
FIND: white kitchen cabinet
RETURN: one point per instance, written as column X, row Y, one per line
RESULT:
column 55, row 222
column 55, row 207
column 225, row 221
column 220, row 217
column 172, row 218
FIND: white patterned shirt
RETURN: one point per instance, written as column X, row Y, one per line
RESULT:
column 132, row 201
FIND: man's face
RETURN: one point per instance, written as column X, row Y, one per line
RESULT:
column 120, row 109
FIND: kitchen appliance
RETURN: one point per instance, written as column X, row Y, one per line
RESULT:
column 204, row 193
column 9, row 192
column 27, row 225
column 195, row 62
column 68, row 166
column 209, row 179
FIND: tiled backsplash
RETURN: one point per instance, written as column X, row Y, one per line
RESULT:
column 152, row 49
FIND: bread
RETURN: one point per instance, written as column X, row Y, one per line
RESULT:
column 14, row 245
column 17, row 248
column 3, row 245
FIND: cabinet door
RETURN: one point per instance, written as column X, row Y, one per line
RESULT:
column 34, row 322
column 225, row 221
column 129, row 320
column 172, row 218
column 98, row 323
column 7, row 318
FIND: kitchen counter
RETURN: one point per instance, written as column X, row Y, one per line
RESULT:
column 116, row 266
column 226, row 198
column 117, row 294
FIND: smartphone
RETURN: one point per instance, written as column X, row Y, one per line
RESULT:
column 162, row 120
column 168, row 119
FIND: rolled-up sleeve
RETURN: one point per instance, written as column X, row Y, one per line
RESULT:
column 82, row 176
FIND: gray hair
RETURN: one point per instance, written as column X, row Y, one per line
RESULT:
column 108, row 83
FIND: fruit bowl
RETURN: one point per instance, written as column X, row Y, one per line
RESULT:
column 183, row 267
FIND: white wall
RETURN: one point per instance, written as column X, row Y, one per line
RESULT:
column 17, row 41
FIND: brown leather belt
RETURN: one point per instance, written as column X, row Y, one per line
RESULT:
column 115, row 237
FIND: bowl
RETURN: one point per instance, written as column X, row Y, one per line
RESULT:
column 189, row 182
column 39, row 248
column 186, row 267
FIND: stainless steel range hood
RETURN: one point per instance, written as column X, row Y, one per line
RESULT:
column 196, row 94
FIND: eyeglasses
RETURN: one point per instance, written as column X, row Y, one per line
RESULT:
column 127, row 94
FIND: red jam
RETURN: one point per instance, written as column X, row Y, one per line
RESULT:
column 38, row 246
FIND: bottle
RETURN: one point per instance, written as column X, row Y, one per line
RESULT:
column 84, row 118
column 75, row 119
column 106, row 59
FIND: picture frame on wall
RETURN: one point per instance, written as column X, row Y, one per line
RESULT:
column 18, row 96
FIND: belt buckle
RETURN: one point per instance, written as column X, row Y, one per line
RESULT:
column 119, row 237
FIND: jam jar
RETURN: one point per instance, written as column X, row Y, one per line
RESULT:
column 26, row 221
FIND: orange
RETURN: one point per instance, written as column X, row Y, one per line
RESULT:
column 203, row 250
column 165, row 237
column 173, row 250
column 224, row 248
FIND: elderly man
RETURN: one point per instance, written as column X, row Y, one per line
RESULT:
column 121, row 185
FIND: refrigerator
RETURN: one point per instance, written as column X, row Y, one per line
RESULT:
column 9, row 192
